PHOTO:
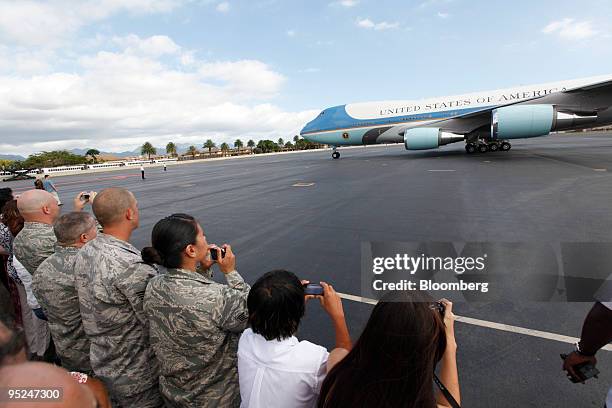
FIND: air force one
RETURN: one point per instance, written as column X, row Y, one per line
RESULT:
column 485, row 121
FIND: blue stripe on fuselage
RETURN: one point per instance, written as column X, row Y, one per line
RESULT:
column 336, row 118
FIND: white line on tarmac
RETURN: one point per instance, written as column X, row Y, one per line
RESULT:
column 441, row 170
column 491, row 325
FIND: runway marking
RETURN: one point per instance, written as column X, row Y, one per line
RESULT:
column 491, row 325
column 303, row 185
column 600, row 169
column 442, row 170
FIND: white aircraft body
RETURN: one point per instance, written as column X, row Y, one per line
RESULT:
column 485, row 121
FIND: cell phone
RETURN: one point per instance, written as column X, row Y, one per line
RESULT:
column 213, row 253
column 587, row 370
column 313, row 289
column 439, row 306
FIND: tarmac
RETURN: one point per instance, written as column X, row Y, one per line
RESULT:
column 310, row 214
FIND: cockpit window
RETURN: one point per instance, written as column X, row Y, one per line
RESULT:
column 321, row 114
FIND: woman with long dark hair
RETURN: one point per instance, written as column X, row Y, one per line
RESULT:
column 194, row 321
column 11, row 222
column 393, row 362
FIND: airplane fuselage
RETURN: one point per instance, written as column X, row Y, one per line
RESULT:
column 386, row 121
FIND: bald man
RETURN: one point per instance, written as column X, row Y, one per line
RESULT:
column 54, row 287
column 43, row 376
column 111, row 294
column 36, row 241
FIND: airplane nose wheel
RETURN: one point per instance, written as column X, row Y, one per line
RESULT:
column 335, row 155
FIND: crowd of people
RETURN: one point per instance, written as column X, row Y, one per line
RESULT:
column 116, row 326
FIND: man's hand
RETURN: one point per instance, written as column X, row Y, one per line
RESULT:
column 79, row 202
column 331, row 302
column 227, row 263
column 575, row 359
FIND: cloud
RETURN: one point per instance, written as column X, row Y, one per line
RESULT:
column 570, row 29
column 151, row 89
column 369, row 24
column 156, row 45
column 310, row 70
column 291, row 33
column 223, row 7
column 49, row 23
column 428, row 3
column 345, row 3
column 249, row 78
column 443, row 15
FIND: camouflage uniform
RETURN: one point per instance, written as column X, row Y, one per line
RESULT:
column 54, row 288
column 195, row 324
column 111, row 280
column 34, row 243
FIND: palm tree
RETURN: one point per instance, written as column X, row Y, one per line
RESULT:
column 148, row 149
column 251, row 144
column 209, row 144
column 192, row 151
column 296, row 138
column 93, row 153
column 281, row 142
column 171, row 149
column 224, row 148
column 238, row 144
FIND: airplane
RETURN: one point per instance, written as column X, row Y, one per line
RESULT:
column 485, row 121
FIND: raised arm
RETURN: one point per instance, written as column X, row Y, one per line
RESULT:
column 448, row 371
column 332, row 304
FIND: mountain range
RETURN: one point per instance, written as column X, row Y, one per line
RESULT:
column 180, row 149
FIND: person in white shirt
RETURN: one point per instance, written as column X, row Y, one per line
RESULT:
column 275, row 369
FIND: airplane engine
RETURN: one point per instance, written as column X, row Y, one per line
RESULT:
column 522, row 121
column 429, row 138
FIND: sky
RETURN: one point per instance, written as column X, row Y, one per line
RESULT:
column 112, row 74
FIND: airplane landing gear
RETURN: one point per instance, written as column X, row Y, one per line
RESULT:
column 335, row 154
column 483, row 147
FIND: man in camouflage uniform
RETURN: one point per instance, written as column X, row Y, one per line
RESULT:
column 110, row 293
column 195, row 327
column 54, row 287
column 36, row 241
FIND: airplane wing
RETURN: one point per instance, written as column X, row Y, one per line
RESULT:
column 471, row 121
